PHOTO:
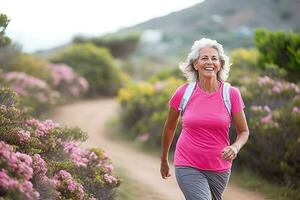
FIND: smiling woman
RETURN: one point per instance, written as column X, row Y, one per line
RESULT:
column 203, row 155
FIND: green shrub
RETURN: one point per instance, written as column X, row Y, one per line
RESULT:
column 120, row 45
column 281, row 49
column 94, row 64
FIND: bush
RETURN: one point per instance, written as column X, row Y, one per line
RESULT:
column 145, row 109
column 40, row 159
column 66, row 81
column 95, row 64
column 281, row 49
column 31, row 65
column 35, row 93
column 8, row 55
column 120, row 45
column 273, row 112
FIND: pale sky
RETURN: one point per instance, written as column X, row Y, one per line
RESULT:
column 42, row 24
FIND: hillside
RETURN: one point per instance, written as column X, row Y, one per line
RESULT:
column 231, row 22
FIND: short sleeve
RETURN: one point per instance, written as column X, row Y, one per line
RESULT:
column 237, row 103
column 175, row 100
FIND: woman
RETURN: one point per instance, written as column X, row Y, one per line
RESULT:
column 203, row 154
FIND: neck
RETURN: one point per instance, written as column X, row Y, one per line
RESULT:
column 209, row 85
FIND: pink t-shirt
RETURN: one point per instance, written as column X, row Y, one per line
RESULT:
column 205, row 128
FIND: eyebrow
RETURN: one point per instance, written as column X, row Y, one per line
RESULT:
column 207, row 56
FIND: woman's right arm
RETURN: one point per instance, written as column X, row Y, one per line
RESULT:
column 167, row 138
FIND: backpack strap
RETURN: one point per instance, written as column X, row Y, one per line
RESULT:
column 189, row 91
column 226, row 97
column 186, row 96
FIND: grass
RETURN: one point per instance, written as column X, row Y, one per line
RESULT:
column 133, row 190
column 250, row 180
column 128, row 189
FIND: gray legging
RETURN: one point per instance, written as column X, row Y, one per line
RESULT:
column 201, row 185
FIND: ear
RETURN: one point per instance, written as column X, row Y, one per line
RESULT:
column 195, row 65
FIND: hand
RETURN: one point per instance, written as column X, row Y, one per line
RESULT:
column 229, row 153
column 165, row 169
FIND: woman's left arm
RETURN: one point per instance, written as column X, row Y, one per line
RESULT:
column 241, row 127
column 242, row 130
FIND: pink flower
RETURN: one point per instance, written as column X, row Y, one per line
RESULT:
column 23, row 136
column 6, row 182
column 110, row 179
column 267, row 108
column 62, row 72
column 26, row 85
column 109, row 168
column 296, row 110
column 39, row 165
column 267, row 119
column 276, row 89
column 76, row 154
column 42, row 127
column 265, row 80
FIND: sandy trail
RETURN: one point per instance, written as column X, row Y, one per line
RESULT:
column 92, row 115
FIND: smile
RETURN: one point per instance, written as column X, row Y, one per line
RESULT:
column 209, row 69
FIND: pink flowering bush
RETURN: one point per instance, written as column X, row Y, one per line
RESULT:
column 15, row 174
column 66, row 81
column 274, row 121
column 35, row 93
column 42, row 160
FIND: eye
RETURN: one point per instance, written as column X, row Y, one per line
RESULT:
column 204, row 58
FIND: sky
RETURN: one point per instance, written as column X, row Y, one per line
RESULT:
column 42, row 24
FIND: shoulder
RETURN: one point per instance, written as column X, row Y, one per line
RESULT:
column 234, row 90
column 235, row 93
column 181, row 89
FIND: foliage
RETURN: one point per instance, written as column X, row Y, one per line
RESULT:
column 35, row 93
column 42, row 160
column 273, row 148
column 4, row 40
column 95, row 64
column 281, row 49
column 66, row 81
column 120, row 45
column 31, row 65
column 145, row 109
column 8, row 55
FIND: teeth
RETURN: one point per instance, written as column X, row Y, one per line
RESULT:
column 208, row 68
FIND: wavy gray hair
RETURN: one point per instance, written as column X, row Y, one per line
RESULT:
column 188, row 69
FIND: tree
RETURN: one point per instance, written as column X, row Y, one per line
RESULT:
column 4, row 40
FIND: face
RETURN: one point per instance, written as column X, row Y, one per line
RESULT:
column 208, row 63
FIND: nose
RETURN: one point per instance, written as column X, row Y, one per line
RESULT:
column 209, row 61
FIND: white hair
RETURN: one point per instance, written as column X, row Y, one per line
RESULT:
column 188, row 69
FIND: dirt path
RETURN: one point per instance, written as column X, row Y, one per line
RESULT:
column 92, row 115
